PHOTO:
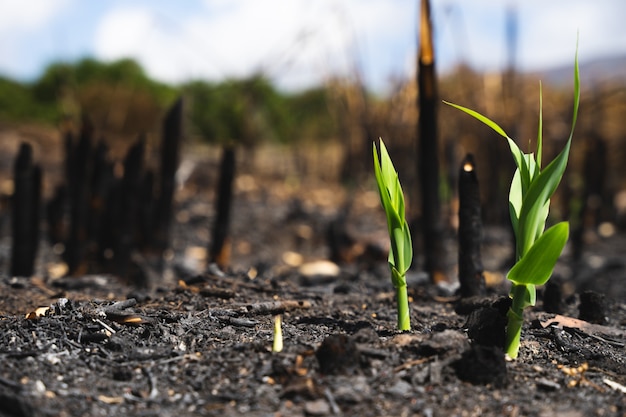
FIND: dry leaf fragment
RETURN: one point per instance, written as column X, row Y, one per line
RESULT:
column 110, row 400
column 39, row 312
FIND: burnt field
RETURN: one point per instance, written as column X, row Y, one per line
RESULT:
column 189, row 330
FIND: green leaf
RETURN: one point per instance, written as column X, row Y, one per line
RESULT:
column 408, row 247
column 532, row 214
column 398, row 199
column 537, row 264
column 515, row 204
column 397, row 245
column 576, row 93
column 540, row 129
column 518, row 155
column 393, row 219
column 480, row 117
column 392, row 200
column 397, row 279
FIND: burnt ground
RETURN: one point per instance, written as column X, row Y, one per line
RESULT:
column 199, row 342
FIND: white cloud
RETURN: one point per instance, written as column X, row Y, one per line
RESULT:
column 549, row 34
column 298, row 41
column 547, row 30
column 19, row 21
column 15, row 17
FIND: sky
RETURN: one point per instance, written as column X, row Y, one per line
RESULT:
column 301, row 43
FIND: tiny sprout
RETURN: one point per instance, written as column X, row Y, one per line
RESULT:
column 277, row 346
column 401, row 253
column 537, row 249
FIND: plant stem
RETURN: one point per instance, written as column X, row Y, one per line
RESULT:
column 516, row 319
column 402, row 299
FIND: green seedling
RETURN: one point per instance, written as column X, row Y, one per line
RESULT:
column 401, row 253
column 537, row 249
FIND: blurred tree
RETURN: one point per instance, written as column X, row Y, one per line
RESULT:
column 117, row 96
column 17, row 103
column 251, row 110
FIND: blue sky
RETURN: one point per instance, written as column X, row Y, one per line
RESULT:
column 299, row 43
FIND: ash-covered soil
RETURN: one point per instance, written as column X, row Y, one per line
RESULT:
column 200, row 342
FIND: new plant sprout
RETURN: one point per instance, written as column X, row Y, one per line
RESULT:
column 537, row 249
column 401, row 253
column 277, row 345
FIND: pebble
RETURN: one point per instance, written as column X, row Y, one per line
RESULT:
column 317, row 408
column 547, row 385
column 401, row 389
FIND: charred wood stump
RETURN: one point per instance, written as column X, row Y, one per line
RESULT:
column 219, row 252
column 55, row 215
column 147, row 211
column 25, row 212
column 593, row 200
column 339, row 240
column 129, row 207
column 170, row 150
column 470, row 231
column 78, row 174
column 428, row 155
column 102, row 179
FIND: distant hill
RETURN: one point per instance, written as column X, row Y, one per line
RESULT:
column 602, row 69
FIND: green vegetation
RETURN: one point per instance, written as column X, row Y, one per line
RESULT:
column 119, row 96
column 401, row 253
column 249, row 110
column 537, row 249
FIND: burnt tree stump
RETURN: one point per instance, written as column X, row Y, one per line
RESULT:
column 25, row 212
column 78, row 168
column 427, row 151
column 470, row 231
column 220, row 248
column 170, row 150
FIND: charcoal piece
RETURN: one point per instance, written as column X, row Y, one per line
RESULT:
column 592, row 308
column 220, row 249
column 482, row 365
column 25, row 212
column 470, row 231
column 338, row 354
column 16, row 404
column 487, row 326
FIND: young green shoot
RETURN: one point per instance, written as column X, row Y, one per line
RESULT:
column 537, row 249
column 401, row 253
column 277, row 346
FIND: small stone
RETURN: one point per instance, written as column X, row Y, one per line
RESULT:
column 547, row 385
column 401, row 389
column 317, row 408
